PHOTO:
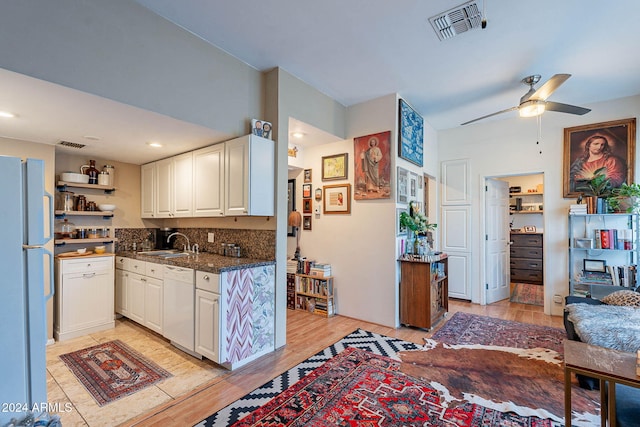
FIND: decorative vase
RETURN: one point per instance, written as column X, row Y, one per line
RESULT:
column 409, row 246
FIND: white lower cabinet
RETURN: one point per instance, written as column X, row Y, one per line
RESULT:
column 208, row 315
column 139, row 292
column 85, row 296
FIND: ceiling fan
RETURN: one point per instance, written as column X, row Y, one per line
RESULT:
column 534, row 102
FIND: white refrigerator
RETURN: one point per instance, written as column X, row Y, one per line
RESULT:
column 26, row 214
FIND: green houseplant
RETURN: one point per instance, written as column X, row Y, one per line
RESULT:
column 625, row 198
column 596, row 190
column 416, row 224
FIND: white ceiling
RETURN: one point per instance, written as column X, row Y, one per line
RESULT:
column 357, row 50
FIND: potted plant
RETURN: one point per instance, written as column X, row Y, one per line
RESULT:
column 625, row 198
column 416, row 224
column 596, row 190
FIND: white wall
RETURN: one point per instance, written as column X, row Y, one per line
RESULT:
column 508, row 147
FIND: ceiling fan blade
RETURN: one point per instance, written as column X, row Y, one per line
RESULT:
column 550, row 86
column 566, row 108
column 489, row 115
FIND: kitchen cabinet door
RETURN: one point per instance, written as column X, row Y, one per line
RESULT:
column 153, row 304
column 182, row 203
column 208, row 325
column 136, row 293
column 122, row 297
column 208, row 181
column 147, row 190
column 249, row 176
column 164, row 188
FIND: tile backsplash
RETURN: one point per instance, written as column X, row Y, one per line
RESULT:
column 258, row 244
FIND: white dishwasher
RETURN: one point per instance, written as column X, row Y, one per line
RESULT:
column 179, row 307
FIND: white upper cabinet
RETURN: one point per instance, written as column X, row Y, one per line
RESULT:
column 164, row 188
column 182, row 185
column 208, row 181
column 148, row 190
column 249, row 176
column 233, row 178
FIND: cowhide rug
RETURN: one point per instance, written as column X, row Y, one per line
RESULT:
column 525, row 381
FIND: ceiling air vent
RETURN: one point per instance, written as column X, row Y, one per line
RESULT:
column 71, row 144
column 457, row 20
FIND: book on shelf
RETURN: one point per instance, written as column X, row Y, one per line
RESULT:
column 578, row 209
column 322, row 270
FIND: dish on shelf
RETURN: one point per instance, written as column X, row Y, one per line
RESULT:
column 79, row 178
column 106, row 207
column 100, row 249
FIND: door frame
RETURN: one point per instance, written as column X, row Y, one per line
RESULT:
column 483, row 247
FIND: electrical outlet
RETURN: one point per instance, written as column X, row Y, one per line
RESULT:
column 210, row 237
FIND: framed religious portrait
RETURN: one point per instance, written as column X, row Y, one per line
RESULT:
column 306, row 191
column 307, row 175
column 337, row 199
column 410, row 137
column 372, row 166
column 608, row 146
column 402, row 179
column 334, row 167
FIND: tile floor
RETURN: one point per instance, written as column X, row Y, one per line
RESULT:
column 78, row 408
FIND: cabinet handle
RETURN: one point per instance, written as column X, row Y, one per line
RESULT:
column 88, row 275
column 205, row 277
column 153, row 270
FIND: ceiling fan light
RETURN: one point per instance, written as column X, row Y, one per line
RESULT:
column 531, row 108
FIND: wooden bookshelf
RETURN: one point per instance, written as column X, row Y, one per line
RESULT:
column 314, row 294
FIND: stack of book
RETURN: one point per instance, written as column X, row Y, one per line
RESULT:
column 576, row 209
column 321, row 270
column 292, row 266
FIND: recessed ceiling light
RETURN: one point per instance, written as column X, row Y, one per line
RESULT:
column 7, row 114
column 298, row 134
column 154, row 144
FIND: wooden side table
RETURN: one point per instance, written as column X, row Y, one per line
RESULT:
column 608, row 366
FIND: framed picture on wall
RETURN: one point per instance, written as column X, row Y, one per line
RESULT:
column 411, row 134
column 334, row 167
column 403, row 185
column 306, row 222
column 307, row 175
column 372, row 167
column 413, row 185
column 306, row 190
column 337, row 199
column 400, row 230
column 306, row 206
column 589, row 148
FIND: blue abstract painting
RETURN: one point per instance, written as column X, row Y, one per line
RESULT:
column 411, row 134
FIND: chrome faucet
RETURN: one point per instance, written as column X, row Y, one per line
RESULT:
column 187, row 248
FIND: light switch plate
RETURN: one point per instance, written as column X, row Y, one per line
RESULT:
column 210, row 237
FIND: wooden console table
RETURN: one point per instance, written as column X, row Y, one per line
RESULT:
column 608, row 366
column 424, row 291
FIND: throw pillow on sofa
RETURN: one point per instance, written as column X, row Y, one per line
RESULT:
column 625, row 298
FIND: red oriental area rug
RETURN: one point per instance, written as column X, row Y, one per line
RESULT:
column 526, row 293
column 464, row 328
column 359, row 388
column 112, row 370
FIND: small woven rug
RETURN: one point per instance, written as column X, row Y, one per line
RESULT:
column 526, row 293
column 113, row 370
column 465, row 328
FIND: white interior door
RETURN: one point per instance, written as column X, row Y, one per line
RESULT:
column 497, row 240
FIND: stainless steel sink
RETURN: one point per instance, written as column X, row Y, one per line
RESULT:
column 175, row 255
column 159, row 252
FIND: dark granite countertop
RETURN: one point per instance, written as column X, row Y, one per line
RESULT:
column 211, row 263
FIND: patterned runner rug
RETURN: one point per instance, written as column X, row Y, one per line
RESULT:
column 526, row 293
column 360, row 386
column 112, row 370
column 465, row 328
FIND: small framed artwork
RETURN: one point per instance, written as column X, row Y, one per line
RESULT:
column 318, row 194
column 410, row 137
column 529, row 228
column 306, row 222
column 306, row 206
column 413, row 185
column 403, row 185
column 337, row 199
column 306, row 191
column 291, row 203
column 261, row 128
column 307, row 175
column 334, row 167
column 608, row 146
column 400, row 230
column 595, row 265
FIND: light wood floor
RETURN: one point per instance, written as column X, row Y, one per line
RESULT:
column 306, row 335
